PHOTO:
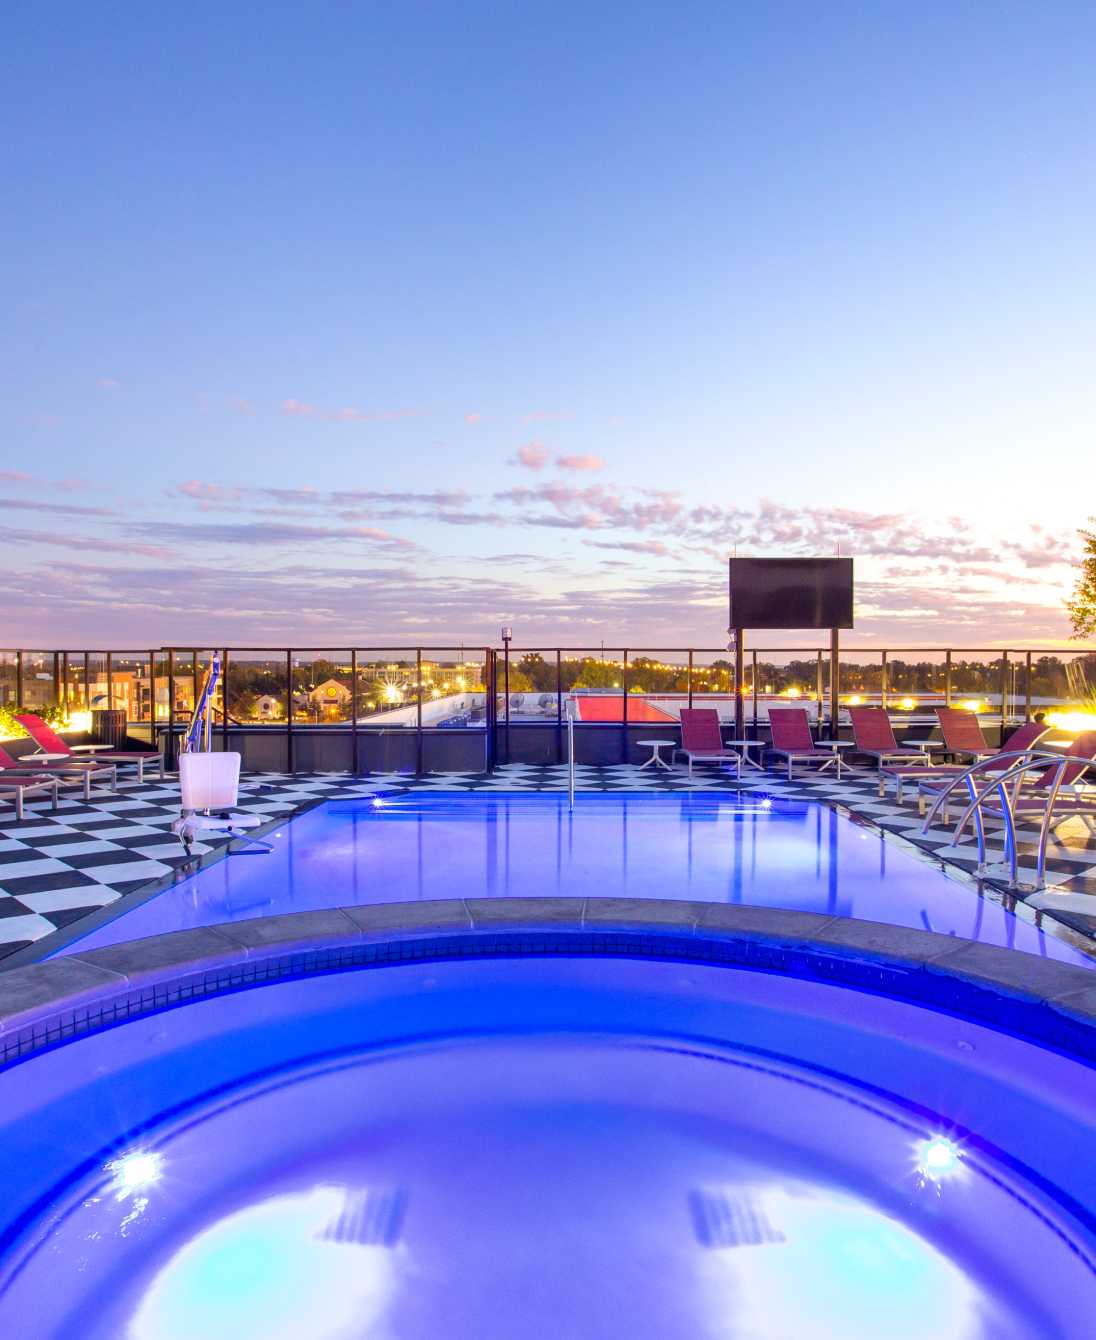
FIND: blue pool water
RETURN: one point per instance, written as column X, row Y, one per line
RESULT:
column 547, row 1148
column 714, row 848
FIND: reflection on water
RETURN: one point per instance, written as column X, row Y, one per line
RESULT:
column 722, row 849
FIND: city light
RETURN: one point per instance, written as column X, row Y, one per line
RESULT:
column 971, row 704
column 907, row 704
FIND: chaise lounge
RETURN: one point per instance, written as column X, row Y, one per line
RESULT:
column 701, row 740
column 56, row 749
column 77, row 771
column 792, row 740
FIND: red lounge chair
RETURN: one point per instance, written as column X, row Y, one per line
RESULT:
column 933, row 780
column 15, row 788
column 70, row 772
column 701, row 740
column 962, row 733
column 51, row 743
column 874, row 736
column 792, row 739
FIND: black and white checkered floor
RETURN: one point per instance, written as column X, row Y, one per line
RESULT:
column 56, row 867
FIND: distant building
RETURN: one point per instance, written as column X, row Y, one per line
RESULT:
column 330, row 698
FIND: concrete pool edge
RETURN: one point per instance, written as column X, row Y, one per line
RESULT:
column 1050, row 1003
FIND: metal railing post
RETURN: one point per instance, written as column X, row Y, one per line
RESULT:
column 689, row 680
column 559, row 706
column 110, row 678
column 289, row 709
column 883, row 681
column 624, row 707
column 1027, row 689
column 753, row 686
column 353, row 712
column 1004, row 695
column 19, row 680
column 418, row 711
column 224, row 699
column 835, row 680
column 947, row 679
column 169, row 748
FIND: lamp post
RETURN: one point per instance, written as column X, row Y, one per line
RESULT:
column 506, row 633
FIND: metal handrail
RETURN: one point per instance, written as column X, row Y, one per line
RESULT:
column 1028, row 759
column 570, row 757
column 201, row 723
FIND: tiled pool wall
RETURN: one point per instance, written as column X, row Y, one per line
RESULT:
column 1043, row 1001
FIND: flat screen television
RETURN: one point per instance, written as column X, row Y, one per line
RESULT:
column 791, row 593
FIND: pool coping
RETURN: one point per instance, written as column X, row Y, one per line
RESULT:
column 1044, row 1001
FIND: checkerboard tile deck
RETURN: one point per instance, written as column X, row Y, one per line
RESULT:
column 56, row 867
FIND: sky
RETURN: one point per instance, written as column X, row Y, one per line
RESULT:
column 389, row 324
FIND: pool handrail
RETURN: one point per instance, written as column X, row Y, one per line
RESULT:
column 1026, row 761
column 570, row 756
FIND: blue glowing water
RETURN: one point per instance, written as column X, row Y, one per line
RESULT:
column 723, row 849
column 545, row 1148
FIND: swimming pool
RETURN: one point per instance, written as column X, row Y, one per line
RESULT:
column 733, row 849
column 498, row 1137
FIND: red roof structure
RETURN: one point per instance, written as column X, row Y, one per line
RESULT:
column 597, row 708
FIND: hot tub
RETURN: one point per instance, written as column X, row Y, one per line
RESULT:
column 548, row 1117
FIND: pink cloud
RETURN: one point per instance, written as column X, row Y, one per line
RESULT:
column 298, row 408
column 533, row 456
column 107, row 383
column 580, row 463
column 202, row 491
column 88, row 544
column 472, row 418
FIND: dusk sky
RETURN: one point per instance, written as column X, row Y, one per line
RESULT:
column 378, row 323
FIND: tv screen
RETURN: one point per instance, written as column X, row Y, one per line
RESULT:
column 791, row 593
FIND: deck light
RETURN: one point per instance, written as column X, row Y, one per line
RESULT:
column 1074, row 722
column 937, row 1158
column 907, row 704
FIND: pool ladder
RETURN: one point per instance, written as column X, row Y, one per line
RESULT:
column 1009, row 767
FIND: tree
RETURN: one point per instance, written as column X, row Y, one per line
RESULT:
column 1082, row 604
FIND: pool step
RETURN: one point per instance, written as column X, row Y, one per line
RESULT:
column 370, row 1217
column 730, row 1219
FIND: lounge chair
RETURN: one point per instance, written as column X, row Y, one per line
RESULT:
column 792, row 740
column 962, row 734
column 50, row 742
column 76, row 771
column 15, row 788
column 873, row 735
column 701, row 740
column 931, row 782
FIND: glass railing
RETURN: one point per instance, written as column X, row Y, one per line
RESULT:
column 354, row 690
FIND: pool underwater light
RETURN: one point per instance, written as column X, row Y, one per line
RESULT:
column 134, row 1171
column 937, row 1158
